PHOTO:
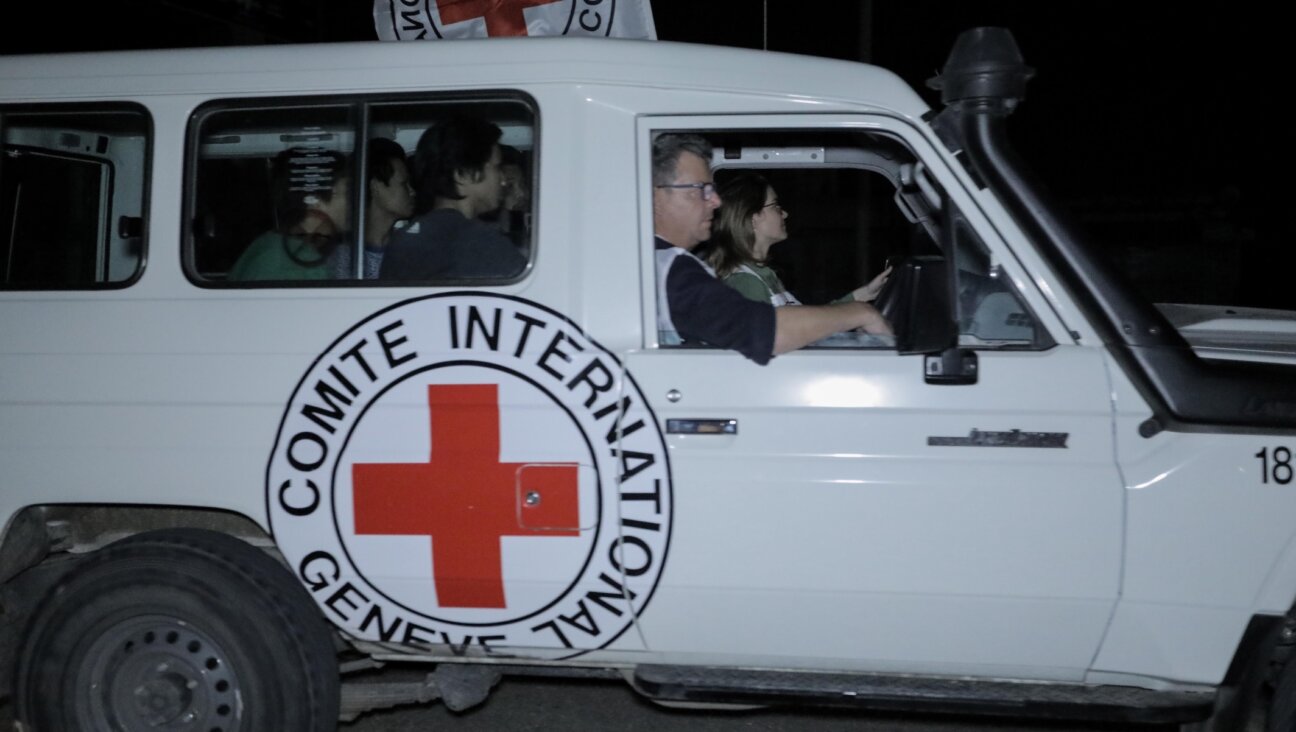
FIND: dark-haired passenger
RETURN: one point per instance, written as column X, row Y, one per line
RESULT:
column 457, row 172
column 389, row 199
column 514, row 215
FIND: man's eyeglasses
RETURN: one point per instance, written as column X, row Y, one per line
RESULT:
column 706, row 190
column 774, row 205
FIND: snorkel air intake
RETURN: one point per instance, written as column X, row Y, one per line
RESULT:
column 982, row 83
column 984, row 65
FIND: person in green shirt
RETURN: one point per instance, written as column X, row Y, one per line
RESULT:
column 312, row 207
column 751, row 220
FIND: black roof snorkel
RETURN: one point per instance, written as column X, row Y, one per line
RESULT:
column 983, row 81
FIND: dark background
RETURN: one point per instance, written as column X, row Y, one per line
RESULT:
column 1158, row 126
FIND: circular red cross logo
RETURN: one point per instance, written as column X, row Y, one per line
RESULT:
column 473, row 472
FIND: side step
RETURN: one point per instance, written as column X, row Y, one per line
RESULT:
column 922, row 693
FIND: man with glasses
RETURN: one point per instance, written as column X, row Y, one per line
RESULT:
column 692, row 305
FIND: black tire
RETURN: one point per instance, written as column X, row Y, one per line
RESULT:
column 178, row 629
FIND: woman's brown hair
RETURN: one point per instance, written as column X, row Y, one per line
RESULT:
column 732, row 237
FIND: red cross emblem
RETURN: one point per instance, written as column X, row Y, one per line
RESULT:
column 464, row 499
column 503, row 17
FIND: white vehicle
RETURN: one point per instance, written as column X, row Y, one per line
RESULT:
column 224, row 497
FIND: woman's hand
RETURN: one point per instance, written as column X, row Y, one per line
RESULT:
column 869, row 292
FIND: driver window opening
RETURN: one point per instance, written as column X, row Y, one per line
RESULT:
column 838, row 209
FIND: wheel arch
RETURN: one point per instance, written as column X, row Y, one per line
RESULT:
column 214, row 585
column 84, row 527
column 42, row 541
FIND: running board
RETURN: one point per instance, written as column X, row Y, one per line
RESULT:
column 921, row 693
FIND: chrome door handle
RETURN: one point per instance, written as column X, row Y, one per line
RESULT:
column 702, row 426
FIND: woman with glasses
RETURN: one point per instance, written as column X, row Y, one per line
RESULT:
column 750, row 221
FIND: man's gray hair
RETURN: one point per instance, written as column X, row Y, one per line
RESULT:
column 666, row 150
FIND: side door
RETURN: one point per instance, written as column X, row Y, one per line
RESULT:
column 863, row 508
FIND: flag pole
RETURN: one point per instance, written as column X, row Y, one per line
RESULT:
column 765, row 25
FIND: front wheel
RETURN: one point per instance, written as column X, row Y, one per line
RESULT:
column 178, row 629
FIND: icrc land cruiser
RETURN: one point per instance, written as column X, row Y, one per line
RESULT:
column 223, row 499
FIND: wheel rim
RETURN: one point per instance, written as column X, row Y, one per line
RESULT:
column 156, row 672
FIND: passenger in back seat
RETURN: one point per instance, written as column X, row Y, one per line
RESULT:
column 513, row 217
column 312, row 208
column 389, row 201
column 457, row 164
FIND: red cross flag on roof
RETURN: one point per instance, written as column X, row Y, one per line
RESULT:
column 420, row 20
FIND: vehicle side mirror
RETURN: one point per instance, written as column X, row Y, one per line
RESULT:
column 916, row 301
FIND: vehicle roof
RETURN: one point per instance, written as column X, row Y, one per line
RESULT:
column 409, row 66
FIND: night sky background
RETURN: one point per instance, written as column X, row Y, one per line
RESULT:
column 1158, row 125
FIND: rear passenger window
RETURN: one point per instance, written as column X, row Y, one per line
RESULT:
column 368, row 192
column 72, row 184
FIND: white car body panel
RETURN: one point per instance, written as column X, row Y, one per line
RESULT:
column 827, row 533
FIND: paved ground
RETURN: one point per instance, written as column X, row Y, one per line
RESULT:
column 543, row 704
column 532, row 704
